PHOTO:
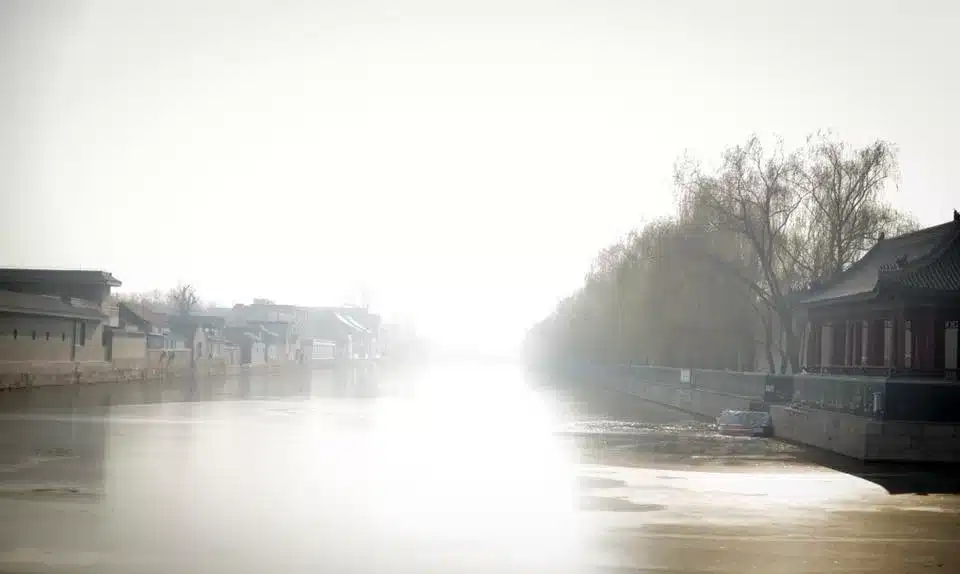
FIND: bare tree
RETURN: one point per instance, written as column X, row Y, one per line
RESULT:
column 183, row 298
column 707, row 288
column 754, row 195
column 156, row 297
column 844, row 212
column 644, row 299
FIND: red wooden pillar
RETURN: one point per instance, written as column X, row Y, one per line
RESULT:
column 837, row 356
column 930, row 348
column 827, row 346
column 878, row 351
column 939, row 338
column 847, row 343
column 951, row 346
column 923, row 339
column 813, row 347
column 889, row 343
column 897, row 359
column 900, row 329
column 864, row 349
column 857, row 349
column 908, row 344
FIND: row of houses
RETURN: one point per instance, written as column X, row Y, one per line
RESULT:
column 69, row 317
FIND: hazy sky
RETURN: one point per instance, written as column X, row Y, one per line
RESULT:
column 462, row 160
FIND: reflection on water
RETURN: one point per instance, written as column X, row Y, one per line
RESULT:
column 423, row 474
column 445, row 469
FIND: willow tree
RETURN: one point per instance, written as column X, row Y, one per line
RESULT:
column 802, row 216
column 754, row 196
column 698, row 288
column 845, row 211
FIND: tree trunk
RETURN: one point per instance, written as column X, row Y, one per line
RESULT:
column 793, row 342
column 782, row 349
column 768, row 341
column 622, row 354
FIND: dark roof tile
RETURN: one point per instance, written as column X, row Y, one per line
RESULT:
column 145, row 313
column 46, row 305
column 941, row 274
column 76, row 276
column 910, row 260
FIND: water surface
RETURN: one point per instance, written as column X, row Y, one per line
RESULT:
column 451, row 468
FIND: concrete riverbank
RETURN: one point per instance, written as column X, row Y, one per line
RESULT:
column 867, row 418
column 25, row 375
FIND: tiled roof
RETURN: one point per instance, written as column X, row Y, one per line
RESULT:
column 920, row 260
column 46, row 305
column 75, row 276
column 361, row 317
column 253, row 332
column 146, row 314
column 940, row 274
column 338, row 322
column 350, row 322
column 185, row 330
column 204, row 320
column 323, row 324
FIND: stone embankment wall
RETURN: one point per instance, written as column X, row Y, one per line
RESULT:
column 838, row 432
column 867, row 439
column 23, row 374
column 698, row 401
column 853, row 416
column 702, row 392
column 913, row 442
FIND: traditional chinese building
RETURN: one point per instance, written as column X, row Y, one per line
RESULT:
column 893, row 313
column 353, row 331
column 54, row 315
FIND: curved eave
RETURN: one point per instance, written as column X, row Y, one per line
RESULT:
column 887, row 291
column 921, row 295
column 846, row 300
column 883, row 254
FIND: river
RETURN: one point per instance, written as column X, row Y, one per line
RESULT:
column 443, row 468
